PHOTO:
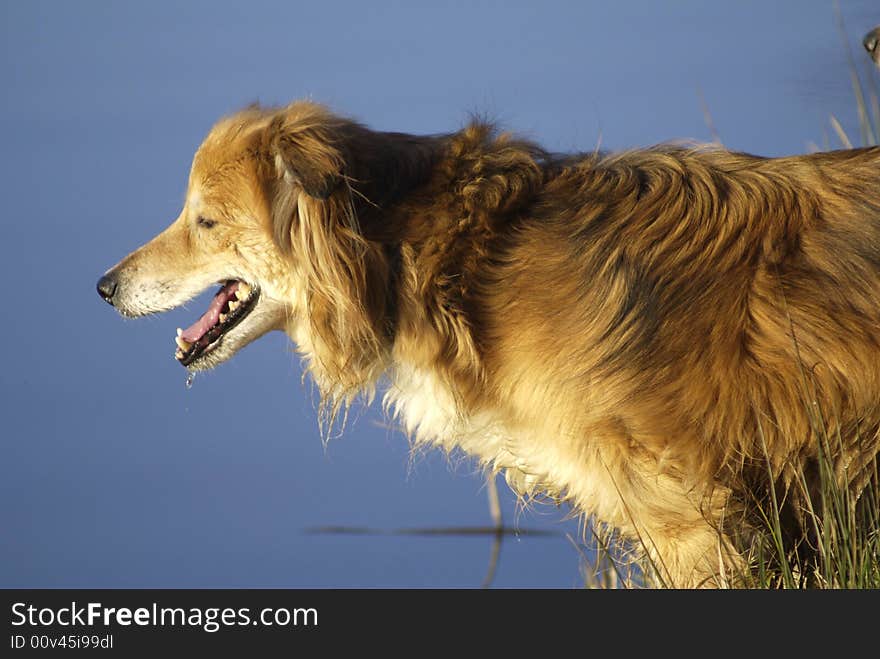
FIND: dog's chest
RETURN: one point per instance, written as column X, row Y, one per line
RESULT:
column 427, row 409
column 534, row 460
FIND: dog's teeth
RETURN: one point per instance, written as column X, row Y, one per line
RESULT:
column 178, row 353
column 223, row 317
column 179, row 331
column 234, row 305
column 183, row 344
column 243, row 291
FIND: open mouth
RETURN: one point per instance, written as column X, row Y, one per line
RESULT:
column 232, row 303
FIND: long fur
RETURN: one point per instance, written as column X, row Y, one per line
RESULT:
column 646, row 335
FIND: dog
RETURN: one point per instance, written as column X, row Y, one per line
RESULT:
column 648, row 335
column 871, row 42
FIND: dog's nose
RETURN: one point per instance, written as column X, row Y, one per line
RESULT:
column 871, row 39
column 107, row 287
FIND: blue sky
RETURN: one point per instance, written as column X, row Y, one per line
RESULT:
column 112, row 472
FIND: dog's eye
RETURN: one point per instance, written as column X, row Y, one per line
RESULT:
column 205, row 222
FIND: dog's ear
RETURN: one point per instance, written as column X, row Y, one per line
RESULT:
column 354, row 173
column 307, row 153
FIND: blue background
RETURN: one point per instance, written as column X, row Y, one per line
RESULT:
column 114, row 474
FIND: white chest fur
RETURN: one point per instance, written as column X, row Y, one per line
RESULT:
column 430, row 415
column 533, row 460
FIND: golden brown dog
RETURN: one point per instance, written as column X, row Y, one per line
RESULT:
column 646, row 335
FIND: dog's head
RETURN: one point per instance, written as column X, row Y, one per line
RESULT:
column 286, row 211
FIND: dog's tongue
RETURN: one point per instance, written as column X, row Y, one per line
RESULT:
column 198, row 329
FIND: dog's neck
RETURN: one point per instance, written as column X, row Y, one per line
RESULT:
column 479, row 183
